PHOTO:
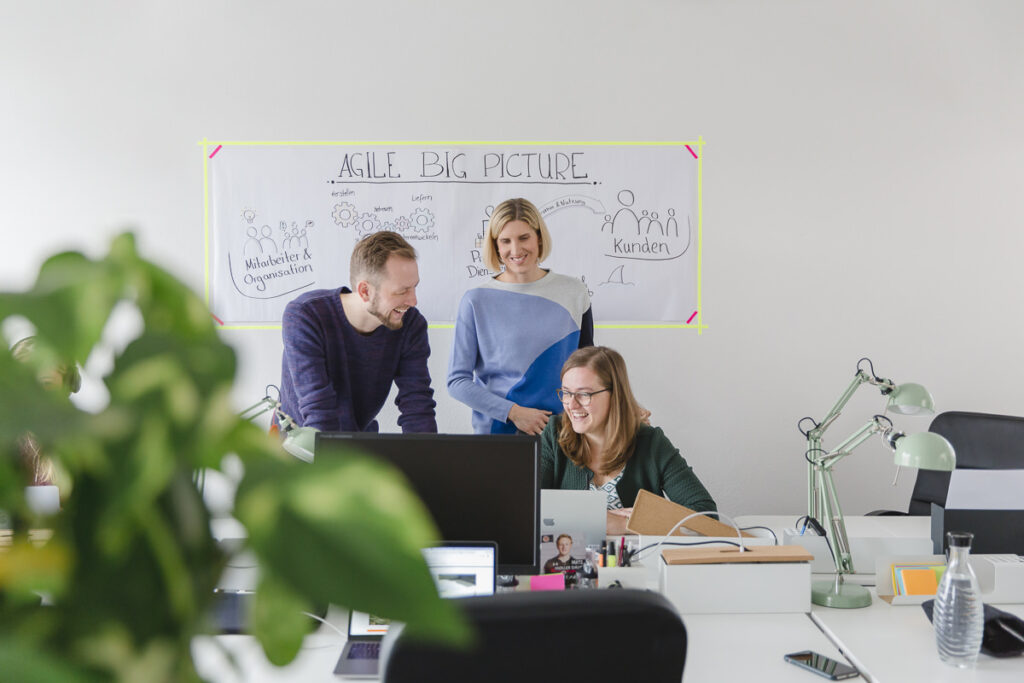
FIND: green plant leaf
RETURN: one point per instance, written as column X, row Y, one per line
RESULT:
column 22, row 661
column 278, row 621
column 348, row 532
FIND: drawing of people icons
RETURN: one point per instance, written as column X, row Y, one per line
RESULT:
column 260, row 241
column 626, row 222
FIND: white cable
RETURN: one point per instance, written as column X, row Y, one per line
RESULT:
column 329, row 625
column 739, row 534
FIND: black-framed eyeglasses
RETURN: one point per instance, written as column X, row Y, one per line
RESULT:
column 582, row 397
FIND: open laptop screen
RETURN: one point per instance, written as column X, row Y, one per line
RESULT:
column 460, row 570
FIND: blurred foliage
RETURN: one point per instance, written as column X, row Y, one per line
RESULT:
column 131, row 566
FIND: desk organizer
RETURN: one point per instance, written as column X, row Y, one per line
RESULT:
column 863, row 549
column 651, row 557
column 772, row 579
column 634, row 576
column 1000, row 578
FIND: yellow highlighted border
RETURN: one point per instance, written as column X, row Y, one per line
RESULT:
column 699, row 143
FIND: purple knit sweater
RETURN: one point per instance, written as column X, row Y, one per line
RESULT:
column 334, row 378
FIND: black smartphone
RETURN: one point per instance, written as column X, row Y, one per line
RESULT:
column 822, row 665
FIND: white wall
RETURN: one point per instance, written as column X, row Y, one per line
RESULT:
column 862, row 176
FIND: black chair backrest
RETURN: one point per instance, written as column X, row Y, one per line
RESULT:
column 565, row 636
column 981, row 442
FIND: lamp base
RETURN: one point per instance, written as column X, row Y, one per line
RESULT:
column 839, row 595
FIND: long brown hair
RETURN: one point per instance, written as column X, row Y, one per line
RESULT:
column 623, row 412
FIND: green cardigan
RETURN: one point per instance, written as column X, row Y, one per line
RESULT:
column 656, row 465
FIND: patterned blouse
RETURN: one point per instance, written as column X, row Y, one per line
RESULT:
column 614, row 502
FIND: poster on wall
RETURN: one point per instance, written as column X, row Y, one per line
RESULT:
column 282, row 219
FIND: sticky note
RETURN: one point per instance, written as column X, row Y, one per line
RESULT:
column 547, row 582
column 919, row 581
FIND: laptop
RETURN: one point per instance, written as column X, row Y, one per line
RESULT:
column 574, row 512
column 460, row 569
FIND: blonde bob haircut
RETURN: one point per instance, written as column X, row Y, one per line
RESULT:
column 623, row 412
column 518, row 209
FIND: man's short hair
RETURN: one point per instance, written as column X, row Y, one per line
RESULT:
column 370, row 257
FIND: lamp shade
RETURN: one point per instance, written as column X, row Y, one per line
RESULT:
column 926, row 451
column 299, row 441
column 911, row 399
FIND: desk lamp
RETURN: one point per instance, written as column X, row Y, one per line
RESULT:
column 925, row 450
column 298, row 441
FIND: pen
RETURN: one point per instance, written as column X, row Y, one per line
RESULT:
column 622, row 552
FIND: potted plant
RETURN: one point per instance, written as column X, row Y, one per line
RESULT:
column 130, row 568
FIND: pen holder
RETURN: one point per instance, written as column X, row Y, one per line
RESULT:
column 635, row 576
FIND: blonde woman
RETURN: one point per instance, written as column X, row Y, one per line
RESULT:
column 514, row 331
column 601, row 442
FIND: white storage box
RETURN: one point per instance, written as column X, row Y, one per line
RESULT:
column 864, row 550
column 1000, row 577
column 730, row 588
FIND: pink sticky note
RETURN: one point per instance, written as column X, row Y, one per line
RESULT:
column 547, row 582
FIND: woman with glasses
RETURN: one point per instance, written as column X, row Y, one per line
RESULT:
column 515, row 330
column 601, row 443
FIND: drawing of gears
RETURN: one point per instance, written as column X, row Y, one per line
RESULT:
column 367, row 223
column 422, row 220
column 402, row 224
column 344, row 214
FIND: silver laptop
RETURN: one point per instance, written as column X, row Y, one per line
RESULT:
column 574, row 512
column 460, row 569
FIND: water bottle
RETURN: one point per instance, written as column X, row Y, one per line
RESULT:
column 958, row 613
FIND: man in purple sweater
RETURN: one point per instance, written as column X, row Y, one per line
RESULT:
column 343, row 348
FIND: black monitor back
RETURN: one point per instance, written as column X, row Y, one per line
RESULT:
column 477, row 487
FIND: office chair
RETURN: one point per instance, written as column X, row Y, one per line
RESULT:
column 981, row 442
column 565, row 636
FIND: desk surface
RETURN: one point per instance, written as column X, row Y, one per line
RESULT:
column 735, row 647
column 897, row 643
column 886, row 643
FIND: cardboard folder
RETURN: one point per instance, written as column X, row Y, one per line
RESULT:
column 655, row 516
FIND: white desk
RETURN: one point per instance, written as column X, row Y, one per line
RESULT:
column 749, row 647
column 886, row 643
column 315, row 661
column 897, row 644
column 720, row 647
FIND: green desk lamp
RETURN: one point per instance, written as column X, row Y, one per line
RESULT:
column 298, row 441
column 925, row 450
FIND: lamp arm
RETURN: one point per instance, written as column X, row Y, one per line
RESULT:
column 814, row 437
column 856, row 439
column 831, row 513
column 261, row 407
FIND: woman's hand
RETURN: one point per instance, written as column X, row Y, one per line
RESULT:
column 529, row 420
column 617, row 520
column 645, row 416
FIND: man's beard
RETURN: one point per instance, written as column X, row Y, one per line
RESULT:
column 385, row 318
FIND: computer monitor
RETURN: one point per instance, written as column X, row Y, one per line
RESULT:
column 476, row 486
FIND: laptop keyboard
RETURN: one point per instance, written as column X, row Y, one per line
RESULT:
column 364, row 651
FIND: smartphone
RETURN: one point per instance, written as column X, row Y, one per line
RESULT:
column 822, row 665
